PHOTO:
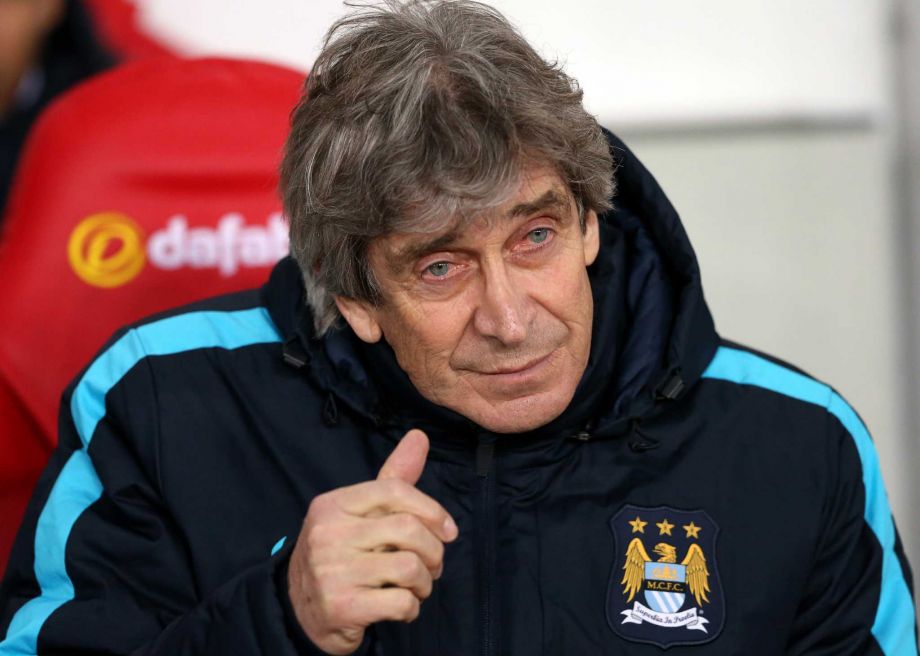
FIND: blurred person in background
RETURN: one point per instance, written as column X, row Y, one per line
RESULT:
column 46, row 46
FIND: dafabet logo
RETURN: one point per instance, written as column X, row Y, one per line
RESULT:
column 109, row 249
column 106, row 249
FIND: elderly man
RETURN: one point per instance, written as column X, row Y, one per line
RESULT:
column 482, row 410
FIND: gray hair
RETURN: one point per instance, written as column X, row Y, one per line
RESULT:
column 417, row 116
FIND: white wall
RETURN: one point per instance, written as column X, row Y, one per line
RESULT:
column 639, row 62
column 791, row 209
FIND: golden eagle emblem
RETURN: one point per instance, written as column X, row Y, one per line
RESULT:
column 695, row 562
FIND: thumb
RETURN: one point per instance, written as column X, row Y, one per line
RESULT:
column 408, row 458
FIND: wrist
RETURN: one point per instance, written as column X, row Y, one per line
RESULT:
column 295, row 629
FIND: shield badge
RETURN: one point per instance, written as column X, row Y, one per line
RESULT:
column 665, row 587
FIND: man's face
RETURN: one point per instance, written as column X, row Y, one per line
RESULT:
column 493, row 321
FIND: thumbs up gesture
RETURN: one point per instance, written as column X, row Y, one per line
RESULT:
column 369, row 552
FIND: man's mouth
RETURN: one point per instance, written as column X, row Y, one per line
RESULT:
column 514, row 369
column 514, row 373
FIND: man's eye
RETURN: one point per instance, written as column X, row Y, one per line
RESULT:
column 538, row 236
column 438, row 269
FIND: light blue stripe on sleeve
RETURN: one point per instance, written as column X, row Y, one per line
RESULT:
column 278, row 545
column 184, row 332
column 893, row 627
column 77, row 486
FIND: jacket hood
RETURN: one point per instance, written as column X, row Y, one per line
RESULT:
column 652, row 337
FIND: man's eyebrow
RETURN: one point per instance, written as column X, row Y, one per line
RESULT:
column 551, row 199
column 400, row 258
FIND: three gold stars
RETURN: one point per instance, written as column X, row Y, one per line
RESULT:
column 665, row 527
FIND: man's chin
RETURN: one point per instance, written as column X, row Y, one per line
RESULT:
column 518, row 415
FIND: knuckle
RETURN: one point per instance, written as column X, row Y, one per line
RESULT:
column 323, row 603
column 409, row 525
column 432, row 556
column 443, row 517
column 339, row 606
column 319, row 505
column 438, row 553
column 411, row 566
column 317, row 536
column 325, row 578
column 398, row 489
column 327, row 535
column 409, row 607
column 427, row 585
column 405, row 606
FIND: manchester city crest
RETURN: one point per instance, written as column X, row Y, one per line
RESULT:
column 665, row 587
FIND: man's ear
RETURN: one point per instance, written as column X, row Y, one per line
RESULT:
column 361, row 316
column 592, row 237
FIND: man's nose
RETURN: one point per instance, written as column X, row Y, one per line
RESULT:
column 505, row 311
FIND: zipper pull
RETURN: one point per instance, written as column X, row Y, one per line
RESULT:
column 294, row 353
column 671, row 388
column 484, row 452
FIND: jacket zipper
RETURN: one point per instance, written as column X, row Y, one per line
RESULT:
column 485, row 475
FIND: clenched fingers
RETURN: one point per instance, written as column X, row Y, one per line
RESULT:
column 379, row 497
column 356, row 609
column 365, row 606
column 400, row 532
column 401, row 569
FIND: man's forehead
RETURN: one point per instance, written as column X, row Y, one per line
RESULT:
column 537, row 193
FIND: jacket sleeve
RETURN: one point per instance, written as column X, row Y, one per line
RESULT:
column 859, row 598
column 99, row 565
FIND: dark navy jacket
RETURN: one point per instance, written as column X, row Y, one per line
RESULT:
column 695, row 496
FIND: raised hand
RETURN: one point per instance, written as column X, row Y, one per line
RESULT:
column 369, row 552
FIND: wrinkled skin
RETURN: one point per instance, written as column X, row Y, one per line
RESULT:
column 493, row 321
